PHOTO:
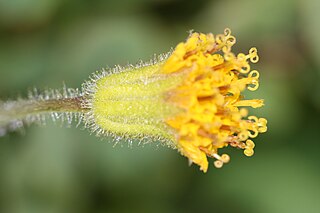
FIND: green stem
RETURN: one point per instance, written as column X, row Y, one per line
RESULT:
column 18, row 110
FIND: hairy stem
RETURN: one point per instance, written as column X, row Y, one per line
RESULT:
column 21, row 109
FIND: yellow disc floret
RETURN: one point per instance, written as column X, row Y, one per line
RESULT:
column 210, row 98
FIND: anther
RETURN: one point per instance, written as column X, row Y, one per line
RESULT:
column 253, row 55
column 253, row 86
column 225, row 158
column 254, row 74
column 253, row 118
column 245, row 68
column 253, row 133
column 227, row 32
column 243, row 135
column 248, row 152
column 250, row 144
column 218, row 164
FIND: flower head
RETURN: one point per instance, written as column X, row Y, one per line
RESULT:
column 190, row 99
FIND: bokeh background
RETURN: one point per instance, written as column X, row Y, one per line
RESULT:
column 44, row 43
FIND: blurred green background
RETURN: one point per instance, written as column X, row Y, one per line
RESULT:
column 44, row 43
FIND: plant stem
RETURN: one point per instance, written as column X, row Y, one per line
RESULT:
column 18, row 110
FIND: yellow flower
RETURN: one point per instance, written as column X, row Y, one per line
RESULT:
column 189, row 99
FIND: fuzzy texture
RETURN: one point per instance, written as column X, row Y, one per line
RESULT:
column 59, row 105
column 124, row 103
